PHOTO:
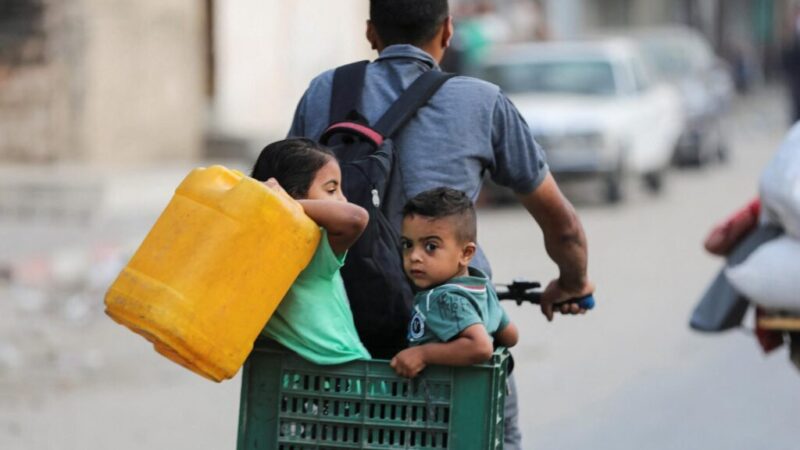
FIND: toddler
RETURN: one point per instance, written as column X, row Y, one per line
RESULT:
column 456, row 312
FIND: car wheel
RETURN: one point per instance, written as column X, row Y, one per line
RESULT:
column 701, row 154
column 705, row 155
column 615, row 180
column 613, row 185
column 654, row 181
column 723, row 152
column 613, row 189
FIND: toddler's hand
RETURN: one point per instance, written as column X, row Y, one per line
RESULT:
column 409, row 362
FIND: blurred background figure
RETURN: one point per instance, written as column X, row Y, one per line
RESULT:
column 791, row 63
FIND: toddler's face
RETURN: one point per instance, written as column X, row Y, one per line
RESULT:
column 327, row 183
column 432, row 254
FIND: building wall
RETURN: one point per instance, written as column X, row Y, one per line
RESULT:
column 112, row 81
column 33, row 112
column 144, row 80
column 266, row 53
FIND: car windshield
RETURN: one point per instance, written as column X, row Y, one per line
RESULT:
column 570, row 77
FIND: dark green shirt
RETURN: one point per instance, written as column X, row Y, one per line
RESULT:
column 442, row 313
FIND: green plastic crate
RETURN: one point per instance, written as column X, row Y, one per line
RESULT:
column 288, row 403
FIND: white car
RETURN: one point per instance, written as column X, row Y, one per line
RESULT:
column 683, row 57
column 592, row 107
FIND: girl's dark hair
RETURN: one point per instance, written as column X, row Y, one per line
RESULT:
column 444, row 202
column 293, row 162
column 412, row 22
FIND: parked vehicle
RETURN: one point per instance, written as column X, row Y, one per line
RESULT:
column 683, row 57
column 593, row 108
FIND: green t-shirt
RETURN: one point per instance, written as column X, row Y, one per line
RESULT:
column 314, row 318
column 442, row 313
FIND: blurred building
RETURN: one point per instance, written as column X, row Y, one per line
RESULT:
column 265, row 54
column 748, row 33
column 115, row 81
column 104, row 81
column 100, row 80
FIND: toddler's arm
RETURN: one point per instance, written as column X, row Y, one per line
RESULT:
column 472, row 346
column 508, row 336
column 343, row 221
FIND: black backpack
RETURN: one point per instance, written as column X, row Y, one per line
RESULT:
column 380, row 295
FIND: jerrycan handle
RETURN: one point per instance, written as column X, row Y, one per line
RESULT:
column 209, row 185
column 224, row 177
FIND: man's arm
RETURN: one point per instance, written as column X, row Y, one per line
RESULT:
column 472, row 346
column 564, row 241
column 520, row 164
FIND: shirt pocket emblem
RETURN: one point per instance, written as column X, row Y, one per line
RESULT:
column 417, row 327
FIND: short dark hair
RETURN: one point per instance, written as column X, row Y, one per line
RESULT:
column 444, row 202
column 412, row 22
column 293, row 162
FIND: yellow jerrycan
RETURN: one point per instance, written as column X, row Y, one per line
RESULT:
column 212, row 270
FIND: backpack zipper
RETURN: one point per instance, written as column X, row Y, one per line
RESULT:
column 376, row 199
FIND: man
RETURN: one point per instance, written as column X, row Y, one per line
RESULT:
column 468, row 128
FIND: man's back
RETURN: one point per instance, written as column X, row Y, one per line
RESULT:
column 467, row 128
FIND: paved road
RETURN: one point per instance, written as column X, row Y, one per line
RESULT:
column 628, row 375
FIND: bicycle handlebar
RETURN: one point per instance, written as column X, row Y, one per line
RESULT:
column 529, row 291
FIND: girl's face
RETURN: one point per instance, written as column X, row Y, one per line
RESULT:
column 327, row 183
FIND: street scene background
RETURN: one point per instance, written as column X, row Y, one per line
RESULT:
column 105, row 107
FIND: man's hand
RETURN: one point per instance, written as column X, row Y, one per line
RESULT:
column 555, row 294
column 409, row 362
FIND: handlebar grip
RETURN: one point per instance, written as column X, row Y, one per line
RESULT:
column 586, row 302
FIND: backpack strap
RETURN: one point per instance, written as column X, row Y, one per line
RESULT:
column 348, row 82
column 413, row 98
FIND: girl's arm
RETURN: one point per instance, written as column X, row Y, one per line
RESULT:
column 344, row 221
column 472, row 346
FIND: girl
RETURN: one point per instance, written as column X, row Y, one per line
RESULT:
column 314, row 318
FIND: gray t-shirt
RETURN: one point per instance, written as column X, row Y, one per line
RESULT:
column 468, row 128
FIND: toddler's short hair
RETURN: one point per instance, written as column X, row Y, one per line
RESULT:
column 444, row 202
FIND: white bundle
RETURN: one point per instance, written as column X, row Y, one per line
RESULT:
column 770, row 276
column 780, row 185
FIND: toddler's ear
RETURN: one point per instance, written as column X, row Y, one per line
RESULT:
column 467, row 253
